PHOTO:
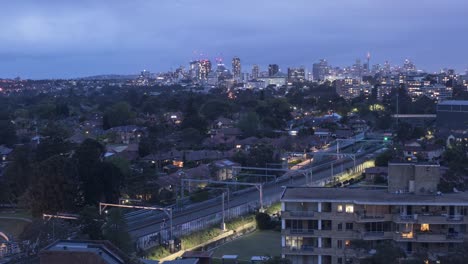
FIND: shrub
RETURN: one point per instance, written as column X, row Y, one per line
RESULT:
column 263, row 221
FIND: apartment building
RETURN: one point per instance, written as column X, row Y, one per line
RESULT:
column 319, row 225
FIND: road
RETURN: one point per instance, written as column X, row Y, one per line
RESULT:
column 142, row 223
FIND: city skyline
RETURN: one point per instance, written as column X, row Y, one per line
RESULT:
column 59, row 39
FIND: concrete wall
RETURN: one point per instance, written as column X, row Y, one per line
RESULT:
column 424, row 177
column 399, row 176
column 427, row 177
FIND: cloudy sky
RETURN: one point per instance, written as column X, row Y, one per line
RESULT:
column 69, row 38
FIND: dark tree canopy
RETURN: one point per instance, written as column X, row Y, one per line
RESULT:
column 54, row 187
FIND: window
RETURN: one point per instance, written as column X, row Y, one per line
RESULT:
column 339, row 243
column 347, row 243
column 339, row 209
column 349, row 208
column 340, row 226
column 340, row 261
column 424, row 227
column 349, row 226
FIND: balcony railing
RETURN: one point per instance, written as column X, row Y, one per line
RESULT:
column 404, row 236
column 455, row 218
column 428, row 218
column 405, row 218
column 298, row 249
column 301, row 213
column 301, row 231
column 455, row 236
column 361, row 217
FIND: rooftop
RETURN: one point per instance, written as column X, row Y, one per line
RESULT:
column 107, row 252
column 370, row 196
column 454, row 102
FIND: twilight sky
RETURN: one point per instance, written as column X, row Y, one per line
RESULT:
column 69, row 38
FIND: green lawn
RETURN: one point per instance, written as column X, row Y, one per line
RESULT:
column 258, row 243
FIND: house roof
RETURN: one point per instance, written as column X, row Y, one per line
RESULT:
column 5, row 151
column 102, row 248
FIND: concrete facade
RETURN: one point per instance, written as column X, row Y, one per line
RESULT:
column 320, row 225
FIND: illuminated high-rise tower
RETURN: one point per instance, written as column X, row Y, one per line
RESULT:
column 205, row 68
column 273, row 69
column 236, row 67
column 368, row 61
column 255, row 72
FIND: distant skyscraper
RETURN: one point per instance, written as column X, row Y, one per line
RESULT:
column 387, row 67
column 205, row 69
column 357, row 68
column 296, row 74
column 409, row 66
column 320, row 70
column 255, row 72
column 368, row 62
column 273, row 69
column 236, row 67
column 194, row 69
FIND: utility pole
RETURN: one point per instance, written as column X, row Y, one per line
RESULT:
column 223, row 224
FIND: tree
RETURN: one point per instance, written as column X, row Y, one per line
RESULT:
column 91, row 222
column 192, row 119
column 249, row 124
column 50, row 147
column 114, row 230
column 215, row 108
column 55, row 130
column 383, row 158
column 54, row 187
column 7, row 133
column 17, row 175
column 109, row 180
column 122, row 164
column 263, row 221
column 88, row 158
column 260, row 155
column 119, row 114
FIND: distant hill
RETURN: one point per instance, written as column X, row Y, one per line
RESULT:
column 110, row 77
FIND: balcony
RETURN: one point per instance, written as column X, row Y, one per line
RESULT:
column 301, row 250
column 364, row 218
column 295, row 231
column 440, row 219
column 405, row 218
column 404, row 236
column 455, row 237
column 297, row 214
column 430, row 237
column 342, row 234
column 377, row 235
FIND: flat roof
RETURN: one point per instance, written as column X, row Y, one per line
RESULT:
column 454, row 102
column 108, row 252
column 414, row 116
column 370, row 196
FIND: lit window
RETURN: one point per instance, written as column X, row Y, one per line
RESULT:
column 424, row 227
column 339, row 209
column 347, row 243
column 349, row 208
